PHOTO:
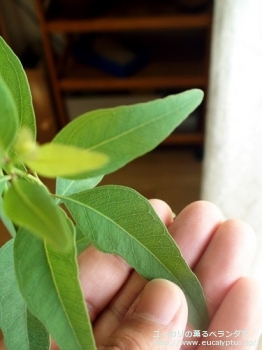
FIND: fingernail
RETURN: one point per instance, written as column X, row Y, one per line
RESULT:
column 159, row 302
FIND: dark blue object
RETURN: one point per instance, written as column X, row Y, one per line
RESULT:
column 110, row 56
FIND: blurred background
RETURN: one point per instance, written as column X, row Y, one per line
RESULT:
column 81, row 55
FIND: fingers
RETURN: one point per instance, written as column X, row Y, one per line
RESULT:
column 227, row 258
column 193, row 228
column 218, row 251
column 98, row 270
column 238, row 318
column 118, row 307
column 160, row 309
column 163, row 211
column 101, row 276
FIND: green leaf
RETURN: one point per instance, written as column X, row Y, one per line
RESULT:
column 119, row 220
column 15, row 79
column 48, row 280
column 127, row 132
column 65, row 187
column 38, row 213
column 82, row 241
column 3, row 182
column 8, row 118
column 6, row 221
column 37, row 335
column 52, row 160
column 21, row 330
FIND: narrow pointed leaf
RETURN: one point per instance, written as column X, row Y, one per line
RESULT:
column 6, row 221
column 37, row 335
column 31, row 206
column 127, row 132
column 12, row 73
column 118, row 220
column 8, row 118
column 48, row 280
column 82, row 240
column 21, row 330
column 3, row 181
column 52, row 160
column 65, row 187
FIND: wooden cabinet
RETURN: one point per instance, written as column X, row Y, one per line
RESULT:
column 175, row 39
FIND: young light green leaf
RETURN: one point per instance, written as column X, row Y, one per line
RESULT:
column 8, row 118
column 127, row 132
column 52, row 160
column 31, row 206
column 118, row 220
column 25, row 145
column 12, row 73
column 21, row 330
column 50, row 275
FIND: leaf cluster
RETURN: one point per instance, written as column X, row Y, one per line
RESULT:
column 40, row 292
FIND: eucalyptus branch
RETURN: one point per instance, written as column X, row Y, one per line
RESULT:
column 39, row 267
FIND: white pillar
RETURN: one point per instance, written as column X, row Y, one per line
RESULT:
column 232, row 169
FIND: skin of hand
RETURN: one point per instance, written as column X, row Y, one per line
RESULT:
column 131, row 313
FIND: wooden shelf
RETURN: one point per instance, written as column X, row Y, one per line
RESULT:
column 125, row 16
column 189, row 138
column 171, row 66
column 155, row 75
column 127, row 24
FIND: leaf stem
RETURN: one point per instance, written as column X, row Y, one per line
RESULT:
column 20, row 173
column 5, row 178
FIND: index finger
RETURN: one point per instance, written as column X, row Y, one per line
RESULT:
column 103, row 275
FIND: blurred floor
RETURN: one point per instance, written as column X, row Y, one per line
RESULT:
column 172, row 174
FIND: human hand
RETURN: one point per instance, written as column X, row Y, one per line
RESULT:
column 131, row 313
